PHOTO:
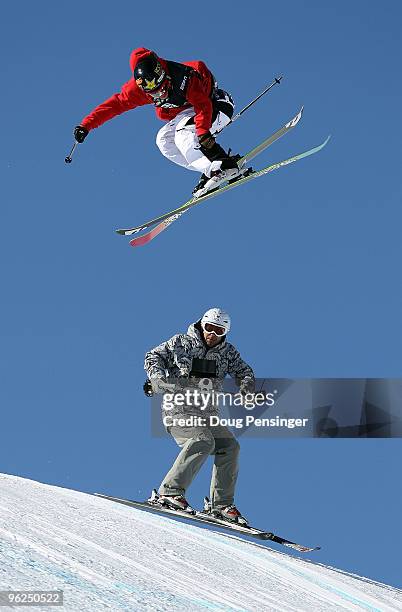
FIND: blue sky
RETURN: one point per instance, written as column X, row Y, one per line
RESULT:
column 306, row 260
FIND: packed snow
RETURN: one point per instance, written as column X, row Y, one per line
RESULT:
column 105, row 556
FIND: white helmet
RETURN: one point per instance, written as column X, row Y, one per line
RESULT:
column 216, row 316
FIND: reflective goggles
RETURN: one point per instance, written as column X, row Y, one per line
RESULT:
column 210, row 328
column 155, row 86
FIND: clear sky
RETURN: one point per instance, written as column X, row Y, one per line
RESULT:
column 306, row 260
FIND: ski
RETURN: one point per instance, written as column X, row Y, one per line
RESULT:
column 242, row 162
column 202, row 517
column 148, row 236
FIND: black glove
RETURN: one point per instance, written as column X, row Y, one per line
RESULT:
column 211, row 149
column 207, row 141
column 80, row 133
column 148, row 388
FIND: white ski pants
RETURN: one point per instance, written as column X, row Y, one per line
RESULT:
column 179, row 142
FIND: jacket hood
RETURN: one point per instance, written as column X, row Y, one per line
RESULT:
column 137, row 55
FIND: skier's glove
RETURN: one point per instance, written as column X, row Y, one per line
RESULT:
column 207, row 141
column 159, row 385
column 148, row 388
column 211, row 149
column 80, row 133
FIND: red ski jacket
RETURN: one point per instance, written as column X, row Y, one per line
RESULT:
column 198, row 95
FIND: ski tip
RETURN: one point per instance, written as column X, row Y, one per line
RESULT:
column 322, row 145
column 122, row 232
column 307, row 550
column 310, row 548
column 140, row 240
column 327, row 138
column 300, row 548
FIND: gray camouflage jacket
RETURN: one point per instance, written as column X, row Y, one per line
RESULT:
column 173, row 358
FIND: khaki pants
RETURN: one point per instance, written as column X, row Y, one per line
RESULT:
column 197, row 443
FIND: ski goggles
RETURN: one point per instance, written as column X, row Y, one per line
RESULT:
column 210, row 328
column 152, row 84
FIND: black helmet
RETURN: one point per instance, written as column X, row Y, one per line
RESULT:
column 149, row 73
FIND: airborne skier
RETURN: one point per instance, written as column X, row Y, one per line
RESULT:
column 186, row 95
column 201, row 353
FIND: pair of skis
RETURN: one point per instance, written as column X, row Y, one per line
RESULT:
column 164, row 221
column 202, row 517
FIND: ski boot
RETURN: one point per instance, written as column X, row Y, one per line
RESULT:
column 226, row 513
column 243, row 172
column 223, row 171
column 201, row 183
column 172, row 502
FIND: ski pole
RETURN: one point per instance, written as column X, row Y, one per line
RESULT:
column 69, row 157
column 276, row 81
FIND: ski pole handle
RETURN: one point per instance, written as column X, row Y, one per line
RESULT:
column 69, row 157
column 276, row 81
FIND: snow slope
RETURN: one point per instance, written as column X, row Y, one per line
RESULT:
column 110, row 557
